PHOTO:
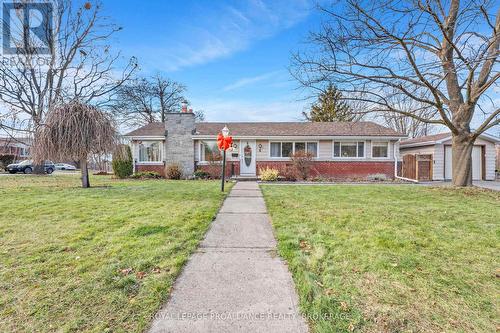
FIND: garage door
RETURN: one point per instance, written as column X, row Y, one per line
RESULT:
column 476, row 163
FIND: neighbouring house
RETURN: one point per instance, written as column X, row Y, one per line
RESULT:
column 19, row 148
column 430, row 157
column 341, row 150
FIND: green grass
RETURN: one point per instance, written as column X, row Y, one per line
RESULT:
column 391, row 258
column 95, row 260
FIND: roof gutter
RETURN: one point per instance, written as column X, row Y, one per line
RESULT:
column 301, row 137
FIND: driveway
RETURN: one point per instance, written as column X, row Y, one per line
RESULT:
column 488, row 184
column 492, row 185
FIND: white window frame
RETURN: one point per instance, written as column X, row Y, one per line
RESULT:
column 160, row 142
column 200, row 153
column 293, row 148
column 350, row 142
column 24, row 152
column 380, row 144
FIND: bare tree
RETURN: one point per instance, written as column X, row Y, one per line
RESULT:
column 442, row 54
column 75, row 131
column 199, row 115
column 79, row 63
column 410, row 126
column 147, row 100
column 170, row 94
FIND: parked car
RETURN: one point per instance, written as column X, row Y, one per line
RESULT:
column 27, row 167
column 64, row 166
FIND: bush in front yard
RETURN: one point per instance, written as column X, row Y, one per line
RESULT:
column 122, row 162
column 173, row 171
column 302, row 164
column 268, row 174
column 146, row 175
column 5, row 160
column 200, row 174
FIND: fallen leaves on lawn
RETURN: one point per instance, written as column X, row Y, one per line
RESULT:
column 140, row 275
column 305, row 246
column 157, row 270
column 125, row 271
column 344, row 306
column 329, row 291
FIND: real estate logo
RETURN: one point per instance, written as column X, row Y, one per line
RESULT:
column 27, row 28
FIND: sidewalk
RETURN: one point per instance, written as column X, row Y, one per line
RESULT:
column 234, row 282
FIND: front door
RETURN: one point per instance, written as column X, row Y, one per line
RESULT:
column 247, row 160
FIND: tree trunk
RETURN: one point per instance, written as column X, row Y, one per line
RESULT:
column 85, row 173
column 462, row 160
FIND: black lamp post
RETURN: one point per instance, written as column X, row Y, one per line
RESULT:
column 225, row 134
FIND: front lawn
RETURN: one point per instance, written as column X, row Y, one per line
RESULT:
column 101, row 259
column 391, row 258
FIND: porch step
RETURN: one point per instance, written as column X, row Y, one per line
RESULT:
column 245, row 178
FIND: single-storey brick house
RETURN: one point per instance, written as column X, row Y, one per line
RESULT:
column 341, row 150
column 438, row 148
column 19, row 148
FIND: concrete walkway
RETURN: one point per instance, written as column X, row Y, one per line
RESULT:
column 234, row 282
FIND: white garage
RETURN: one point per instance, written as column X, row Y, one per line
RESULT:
column 439, row 146
column 477, row 162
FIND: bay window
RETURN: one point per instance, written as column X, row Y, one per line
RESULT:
column 149, row 151
column 349, row 149
column 285, row 149
column 380, row 149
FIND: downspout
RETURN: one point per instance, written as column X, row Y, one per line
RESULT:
column 396, row 166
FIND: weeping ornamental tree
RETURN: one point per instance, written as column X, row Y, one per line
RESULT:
column 74, row 131
column 442, row 55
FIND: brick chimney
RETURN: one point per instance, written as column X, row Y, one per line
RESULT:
column 184, row 108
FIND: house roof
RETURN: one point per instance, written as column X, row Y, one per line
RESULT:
column 437, row 138
column 152, row 129
column 430, row 139
column 15, row 141
column 262, row 129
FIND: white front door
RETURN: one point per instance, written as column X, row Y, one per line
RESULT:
column 476, row 163
column 247, row 159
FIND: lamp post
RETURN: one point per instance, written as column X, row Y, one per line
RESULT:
column 225, row 134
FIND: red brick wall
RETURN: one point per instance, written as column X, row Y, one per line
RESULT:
column 215, row 169
column 156, row 168
column 340, row 170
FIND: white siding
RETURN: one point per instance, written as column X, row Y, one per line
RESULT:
column 438, row 170
column 235, row 151
column 325, row 150
column 262, row 150
column 368, row 150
